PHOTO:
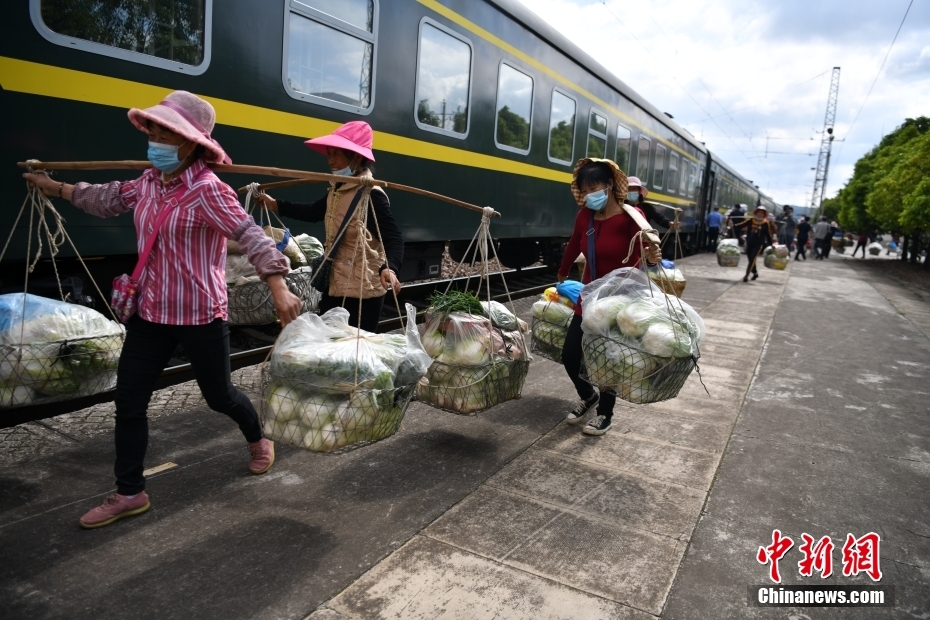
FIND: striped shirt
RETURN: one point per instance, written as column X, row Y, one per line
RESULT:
column 184, row 278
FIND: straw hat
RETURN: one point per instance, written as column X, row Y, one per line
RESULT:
column 620, row 181
column 186, row 115
column 355, row 136
column 635, row 182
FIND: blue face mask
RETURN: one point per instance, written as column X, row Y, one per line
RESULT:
column 596, row 200
column 344, row 172
column 164, row 157
column 632, row 197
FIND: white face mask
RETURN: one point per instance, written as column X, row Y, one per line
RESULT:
column 344, row 172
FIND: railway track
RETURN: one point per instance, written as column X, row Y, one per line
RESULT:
column 252, row 345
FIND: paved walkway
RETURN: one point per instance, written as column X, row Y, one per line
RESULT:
column 816, row 421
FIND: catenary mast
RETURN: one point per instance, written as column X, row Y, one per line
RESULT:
column 826, row 143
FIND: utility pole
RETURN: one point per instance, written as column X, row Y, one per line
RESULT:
column 826, row 144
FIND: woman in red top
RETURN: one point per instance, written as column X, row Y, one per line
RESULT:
column 182, row 291
column 600, row 187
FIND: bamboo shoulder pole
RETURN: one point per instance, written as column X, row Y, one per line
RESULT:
column 294, row 175
column 648, row 231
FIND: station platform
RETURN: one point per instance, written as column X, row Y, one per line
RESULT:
column 815, row 419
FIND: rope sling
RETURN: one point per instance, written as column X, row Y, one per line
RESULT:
column 471, row 388
column 81, row 359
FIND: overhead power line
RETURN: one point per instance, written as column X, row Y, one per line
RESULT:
column 877, row 75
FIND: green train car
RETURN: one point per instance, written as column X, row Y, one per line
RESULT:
column 477, row 99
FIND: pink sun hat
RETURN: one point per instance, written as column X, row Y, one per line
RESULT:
column 355, row 136
column 186, row 115
column 635, row 182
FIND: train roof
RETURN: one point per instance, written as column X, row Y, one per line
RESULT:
column 536, row 24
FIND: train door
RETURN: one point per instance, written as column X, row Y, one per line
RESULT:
column 710, row 200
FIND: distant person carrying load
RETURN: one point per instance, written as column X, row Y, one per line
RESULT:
column 348, row 153
column 735, row 218
column 184, row 214
column 823, row 235
column 760, row 233
column 636, row 196
column 786, row 227
column 804, row 231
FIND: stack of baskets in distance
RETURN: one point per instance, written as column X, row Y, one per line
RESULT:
column 330, row 387
column 728, row 253
column 480, row 357
column 551, row 317
column 639, row 342
column 62, row 351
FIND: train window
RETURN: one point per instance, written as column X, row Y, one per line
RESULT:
column 514, row 110
column 700, row 181
column 692, row 178
column 658, row 175
column 329, row 52
column 443, row 80
column 622, row 153
column 683, row 177
column 673, row 172
column 169, row 34
column 562, row 128
column 642, row 159
column 597, row 135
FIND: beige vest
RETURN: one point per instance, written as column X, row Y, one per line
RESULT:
column 355, row 266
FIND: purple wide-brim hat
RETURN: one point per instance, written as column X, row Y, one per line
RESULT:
column 186, row 115
column 355, row 136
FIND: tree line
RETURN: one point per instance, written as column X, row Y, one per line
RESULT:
column 890, row 190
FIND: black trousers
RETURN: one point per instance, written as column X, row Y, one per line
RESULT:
column 371, row 310
column 802, row 248
column 712, row 234
column 754, row 254
column 859, row 245
column 572, row 358
column 146, row 351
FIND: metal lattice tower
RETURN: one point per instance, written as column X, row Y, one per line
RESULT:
column 826, row 144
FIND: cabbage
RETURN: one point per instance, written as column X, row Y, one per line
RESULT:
column 635, row 317
column 773, row 261
column 599, row 316
column 666, row 339
column 310, row 246
column 15, row 395
column 728, row 249
column 466, row 353
column 433, row 342
column 500, row 316
column 551, row 312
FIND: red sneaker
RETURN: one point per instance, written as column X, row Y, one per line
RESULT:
column 114, row 508
column 262, row 452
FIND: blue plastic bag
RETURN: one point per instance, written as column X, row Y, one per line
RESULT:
column 570, row 289
column 668, row 264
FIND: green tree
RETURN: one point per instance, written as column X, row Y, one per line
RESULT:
column 512, row 129
column 560, row 140
column 425, row 115
column 460, row 120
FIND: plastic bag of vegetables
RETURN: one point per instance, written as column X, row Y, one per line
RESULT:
column 329, row 386
column 550, row 324
column 477, row 362
column 52, row 350
column 774, row 258
column 875, row 248
column 728, row 253
column 638, row 341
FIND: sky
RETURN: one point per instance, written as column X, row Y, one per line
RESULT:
column 751, row 78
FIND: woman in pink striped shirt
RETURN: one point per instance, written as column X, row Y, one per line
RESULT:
column 182, row 292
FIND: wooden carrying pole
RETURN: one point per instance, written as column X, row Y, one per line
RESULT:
column 648, row 231
column 296, row 176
